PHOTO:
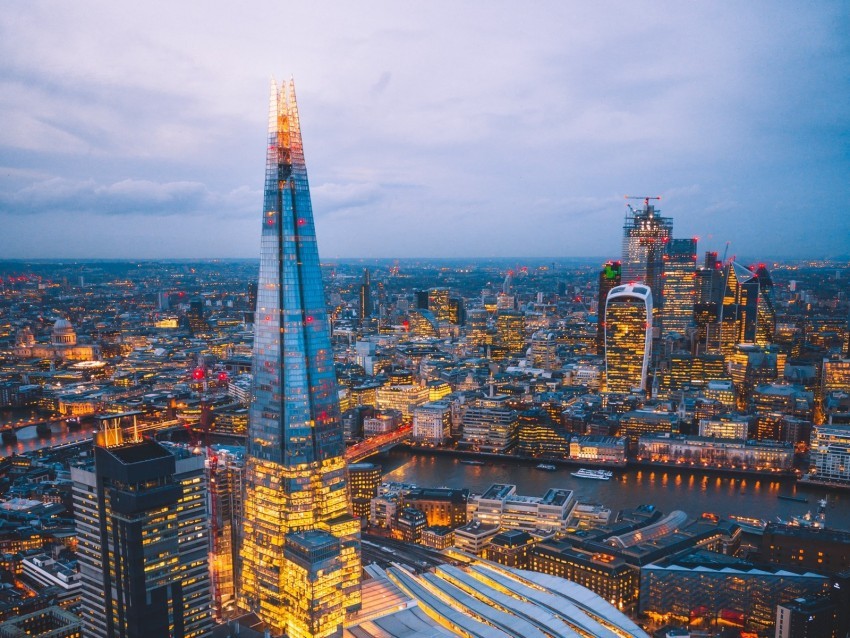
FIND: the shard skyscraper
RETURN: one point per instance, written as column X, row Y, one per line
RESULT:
column 301, row 546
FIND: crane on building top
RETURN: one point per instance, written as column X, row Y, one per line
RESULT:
column 645, row 199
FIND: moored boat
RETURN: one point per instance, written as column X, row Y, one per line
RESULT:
column 749, row 524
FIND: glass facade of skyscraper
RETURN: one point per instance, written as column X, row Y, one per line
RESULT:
column 679, row 291
column 301, row 547
column 609, row 277
column 645, row 236
column 628, row 337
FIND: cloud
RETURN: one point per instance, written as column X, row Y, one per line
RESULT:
column 432, row 128
column 331, row 197
column 127, row 197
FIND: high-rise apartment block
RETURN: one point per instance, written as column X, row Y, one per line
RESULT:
column 628, row 337
column 142, row 532
column 301, row 545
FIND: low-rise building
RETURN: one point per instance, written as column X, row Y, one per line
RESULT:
column 489, row 429
column 709, row 451
column 474, row 536
column 726, row 426
column 438, row 537
column 540, row 516
column 703, row 587
column 510, row 547
column 48, row 572
column 599, row 449
column 432, row 423
column 830, row 454
column 53, row 622
column 602, row 572
column 409, row 524
column 441, row 506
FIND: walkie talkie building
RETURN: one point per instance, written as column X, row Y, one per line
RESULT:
column 301, row 546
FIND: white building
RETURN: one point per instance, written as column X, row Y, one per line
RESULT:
column 830, row 454
column 543, row 515
column 727, row 427
column 50, row 573
column 432, row 422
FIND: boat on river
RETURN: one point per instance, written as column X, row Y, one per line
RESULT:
column 546, row 466
column 471, row 462
column 749, row 524
column 599, row 475
column 798, row 499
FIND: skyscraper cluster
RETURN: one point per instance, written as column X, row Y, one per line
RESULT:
column 709, row 309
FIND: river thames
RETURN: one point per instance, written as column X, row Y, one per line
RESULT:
column 667, row 489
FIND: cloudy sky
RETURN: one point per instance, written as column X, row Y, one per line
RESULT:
column 431, row 128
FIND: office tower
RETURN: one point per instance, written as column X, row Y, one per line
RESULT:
column 739, row 305
column 709, row 279
column 365, row 297
column 765, row 332
column 142, row 534
column 609, row 277
column 544, row 350
column 807, row 618
column 438, row 303
column 423, row 323
column 301, row 545
column 422, row 299
column 628, row 337
column 678, row 291
column 252, row 303
column 224, row 472
column 163, row 300
column 510, row 327
column 476, row 328
column 364, row 480
column 457, row 311
column 645, row 235
column 197, row 322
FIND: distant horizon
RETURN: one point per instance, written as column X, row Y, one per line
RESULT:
column 518, row 258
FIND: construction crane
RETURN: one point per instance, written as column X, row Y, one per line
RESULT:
column 643, row 197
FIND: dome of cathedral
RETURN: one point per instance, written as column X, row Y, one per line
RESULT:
column 64, row 333
column 62, row 326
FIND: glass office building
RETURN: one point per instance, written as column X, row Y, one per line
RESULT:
column 301, row 545
column 628, row 337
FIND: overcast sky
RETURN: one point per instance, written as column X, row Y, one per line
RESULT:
column 431, row 129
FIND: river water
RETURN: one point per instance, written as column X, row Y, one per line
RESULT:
column 667, row 489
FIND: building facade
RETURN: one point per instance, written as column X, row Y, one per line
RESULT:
column 609, row 277
column 645, row 236
column 628, row 337
column 678, row 290
column 830, row 454
column 301, row 545
column 142, row 528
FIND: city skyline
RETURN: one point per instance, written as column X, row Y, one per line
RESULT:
column 430, row 131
